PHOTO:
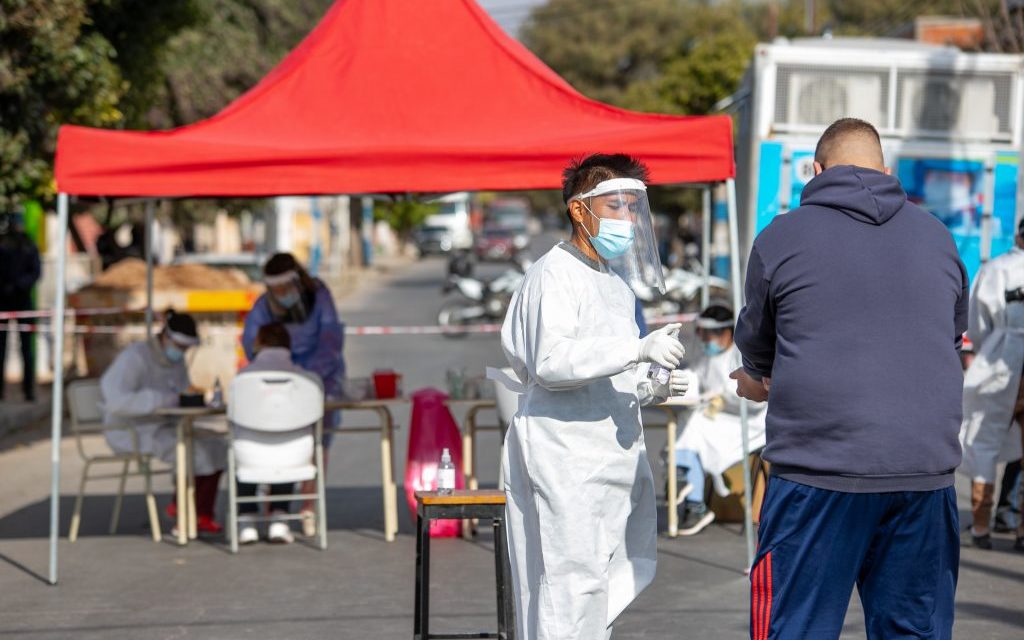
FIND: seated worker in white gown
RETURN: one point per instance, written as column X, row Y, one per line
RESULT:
column 711, row 441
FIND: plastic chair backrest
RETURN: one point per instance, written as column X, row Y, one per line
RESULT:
column 275, row 400
column 507, row 400
column 84, row 398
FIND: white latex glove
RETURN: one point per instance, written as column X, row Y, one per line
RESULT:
column 658, row 347
column 678, row 383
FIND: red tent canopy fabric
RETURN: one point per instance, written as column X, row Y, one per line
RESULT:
column 393, row 96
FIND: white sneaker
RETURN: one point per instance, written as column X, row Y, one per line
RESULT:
column 280, row 533
column 697, row 523
column 248, row 534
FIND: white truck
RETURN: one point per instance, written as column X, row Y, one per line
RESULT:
column 449, row 229
column 950, row 124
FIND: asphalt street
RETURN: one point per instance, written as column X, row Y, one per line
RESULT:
column 125, row 586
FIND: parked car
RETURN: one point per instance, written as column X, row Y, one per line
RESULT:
column 251, row 264
column 500, row 243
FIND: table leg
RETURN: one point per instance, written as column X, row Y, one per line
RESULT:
column 468, row 454
column 387, row 470
column 673, row 511
column 193, row 532
column 180, row 472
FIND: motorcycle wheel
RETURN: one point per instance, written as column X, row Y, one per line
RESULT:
column 447, row 318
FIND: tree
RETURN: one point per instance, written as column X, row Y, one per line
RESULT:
column 403, row 214
column 53, row 70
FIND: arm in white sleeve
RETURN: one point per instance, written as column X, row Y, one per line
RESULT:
column 987, row 302
column 122, row 393
column 561, row 359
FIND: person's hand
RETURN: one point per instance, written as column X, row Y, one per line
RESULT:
column 678, row 382
column 661, row 348
column 747, row 387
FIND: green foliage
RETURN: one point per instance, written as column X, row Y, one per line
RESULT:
column 403, row 214
column 53, row 70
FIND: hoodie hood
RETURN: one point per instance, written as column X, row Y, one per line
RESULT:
column 865, row 195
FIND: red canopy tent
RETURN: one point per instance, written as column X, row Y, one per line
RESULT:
column 384, row 96
column 393, row 96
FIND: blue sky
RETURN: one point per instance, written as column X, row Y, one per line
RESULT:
column 509, row 13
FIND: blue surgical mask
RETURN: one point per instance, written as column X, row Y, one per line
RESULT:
column 712, row 349
column 174, row 354
column 288, row 300
column 614, row 237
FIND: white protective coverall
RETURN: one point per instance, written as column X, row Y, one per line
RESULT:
column 989, row 434
column 714, row 431
column 581, row 508
column 139, row 381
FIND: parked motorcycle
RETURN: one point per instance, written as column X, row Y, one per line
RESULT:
column 481, row 302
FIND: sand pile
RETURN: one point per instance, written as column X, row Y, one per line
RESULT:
column 130, row 273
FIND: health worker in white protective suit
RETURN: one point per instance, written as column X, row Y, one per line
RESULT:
column 712, row 439
column 996, row 328
column 151, row 375
column 581, row 511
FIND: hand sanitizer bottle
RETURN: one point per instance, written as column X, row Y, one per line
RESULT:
column 446, row 474
column 658, row 372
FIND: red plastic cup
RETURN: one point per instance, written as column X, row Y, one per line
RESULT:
column 385, row 383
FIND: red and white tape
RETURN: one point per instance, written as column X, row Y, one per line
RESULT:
column 413, row 330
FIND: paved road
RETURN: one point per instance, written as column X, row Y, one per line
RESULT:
column 125, row 586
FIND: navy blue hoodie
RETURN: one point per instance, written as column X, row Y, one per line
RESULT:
column 856, row 304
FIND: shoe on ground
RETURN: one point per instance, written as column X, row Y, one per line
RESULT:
column 280, row 533
column 308, row 523
column 696, row 521
column 983, row 541
column 206, row 524
column 247, row 534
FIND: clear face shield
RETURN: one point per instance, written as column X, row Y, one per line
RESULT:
column 620, row 213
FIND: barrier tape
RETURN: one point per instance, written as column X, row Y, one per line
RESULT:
column 349, row 331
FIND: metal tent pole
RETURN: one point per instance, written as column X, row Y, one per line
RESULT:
column 737, row 303
column 150, row 206
column 705, row 249
column 57, row 408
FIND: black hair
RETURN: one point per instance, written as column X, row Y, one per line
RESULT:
column 283, row 263
column 833, row 137
column 583, row 174
column 181, row 323
column 717, row 313
column 274, row 334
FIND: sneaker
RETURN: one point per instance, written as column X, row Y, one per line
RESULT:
column 696, row 521
column 280, row 533
column 983, row 541
column 206, row 524
column 248, row 534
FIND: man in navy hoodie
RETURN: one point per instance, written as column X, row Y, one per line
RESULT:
column 856, row 304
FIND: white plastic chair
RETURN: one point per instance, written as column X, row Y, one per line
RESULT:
column 271, row 441
column 84, row 399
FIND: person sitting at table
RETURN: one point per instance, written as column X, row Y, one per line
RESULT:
column 305, row 305
column 271, row 352
column 151, row 375
column 711, row 441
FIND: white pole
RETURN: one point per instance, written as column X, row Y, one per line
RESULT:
column 57, row 408
column 149, row 268
column 737, row 303
column 705, row 248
